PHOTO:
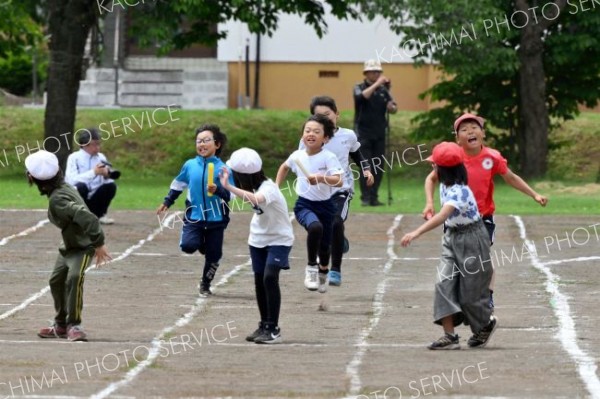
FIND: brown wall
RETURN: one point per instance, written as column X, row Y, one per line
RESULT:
column 292, row 85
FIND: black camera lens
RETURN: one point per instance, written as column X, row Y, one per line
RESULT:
column 114, row 174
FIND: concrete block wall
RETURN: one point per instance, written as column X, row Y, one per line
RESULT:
column 153, row 82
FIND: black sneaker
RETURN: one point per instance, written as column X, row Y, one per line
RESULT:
column 481, row 339
column 258, row 332
column 271, row 336
column 446, row 342
column 205, row 290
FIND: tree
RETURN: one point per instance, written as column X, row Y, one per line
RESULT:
column 173, row 23
column 21, row 38
column 516, row 62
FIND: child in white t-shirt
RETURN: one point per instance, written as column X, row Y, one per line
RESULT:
column 319, row 173
column 270, row 240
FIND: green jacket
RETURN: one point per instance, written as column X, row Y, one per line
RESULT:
column 80, row 228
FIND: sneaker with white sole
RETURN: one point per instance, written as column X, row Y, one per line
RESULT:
column 445, row 342
column 311, row 278
column 323, row 282
column 269, row 336
column 106, row 220
column 76, row 333
column 54, row 331
column 335, row 278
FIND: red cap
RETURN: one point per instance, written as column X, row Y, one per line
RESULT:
column 465, row 117
column 447, row 154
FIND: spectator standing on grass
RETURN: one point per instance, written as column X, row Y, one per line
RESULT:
column 482, row 164
column 206, row 209
column 465, row 272
column 344, row 144
column 270, row 239
column 89, row 172
column 319, row 173
column 82, row 240
column 372, row 102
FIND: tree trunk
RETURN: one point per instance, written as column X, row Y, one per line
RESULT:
column 69, row 25
column 534, row 119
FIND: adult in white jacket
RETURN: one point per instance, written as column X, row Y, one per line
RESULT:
column 89, row 171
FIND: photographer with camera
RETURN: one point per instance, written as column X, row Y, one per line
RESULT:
column 372, row 103
column 92, row 175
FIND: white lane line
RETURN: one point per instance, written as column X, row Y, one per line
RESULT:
column 566, row 331
column 125, row 254
column 153, row 352
column 25, row 232
column 579, row 259
column 353, row 368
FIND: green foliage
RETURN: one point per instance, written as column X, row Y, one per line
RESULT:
column 178, row 24
column 16, row 71
column 478, row 55
column 21, row 34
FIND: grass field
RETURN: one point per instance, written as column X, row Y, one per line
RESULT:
column 407, row 197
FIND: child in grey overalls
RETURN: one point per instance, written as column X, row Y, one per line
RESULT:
column 462, row 292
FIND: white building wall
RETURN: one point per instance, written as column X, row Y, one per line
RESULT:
column 295, row 41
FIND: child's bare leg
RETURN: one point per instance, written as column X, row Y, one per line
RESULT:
column 448, row 324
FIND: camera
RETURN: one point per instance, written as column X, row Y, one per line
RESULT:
column 112, row 173
column 388, row 84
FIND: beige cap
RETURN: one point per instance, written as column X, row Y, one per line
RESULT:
column 372, row 65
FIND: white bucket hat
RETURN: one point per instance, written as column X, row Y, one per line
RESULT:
column 372, row 65
column 245, row 160
column 42, row 165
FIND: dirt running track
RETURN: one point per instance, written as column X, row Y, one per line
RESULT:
column 152, row 336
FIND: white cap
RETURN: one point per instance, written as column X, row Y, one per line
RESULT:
column 372, row 65
column 245, row 160
column 42, row 165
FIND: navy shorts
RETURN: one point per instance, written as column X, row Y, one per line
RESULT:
column 272, row 255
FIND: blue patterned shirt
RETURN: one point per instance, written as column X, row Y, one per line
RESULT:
column 463, row 201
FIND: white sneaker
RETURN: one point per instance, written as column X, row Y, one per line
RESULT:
column 311, row 278
column 323, row 282
column 106, row 220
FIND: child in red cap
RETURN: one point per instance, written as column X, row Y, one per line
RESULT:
column 462, row 292
column 482, row 164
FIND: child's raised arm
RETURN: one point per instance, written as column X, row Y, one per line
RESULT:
column 430, row 182
column 515, row 181
column 246, row 196
column 282, row 173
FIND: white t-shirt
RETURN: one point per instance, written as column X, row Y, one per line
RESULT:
column 273, row 225
column 462, row 199
column 343, row 142
column 324, row 162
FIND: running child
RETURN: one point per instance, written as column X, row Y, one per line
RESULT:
column 270, row 240
column 206, row 209
column 319, row 172
column 343, row 144
column 482, row 164
column 462, row 294
column 82, row 240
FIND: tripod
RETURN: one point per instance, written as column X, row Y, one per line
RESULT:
column 387, row 146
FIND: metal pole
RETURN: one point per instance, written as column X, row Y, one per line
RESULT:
column 116, row 55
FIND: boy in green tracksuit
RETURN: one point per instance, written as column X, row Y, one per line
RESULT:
column 83, row 239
